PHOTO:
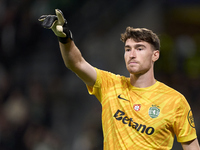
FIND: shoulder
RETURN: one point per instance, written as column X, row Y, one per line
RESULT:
column 110, row 78
column 176, row 100
column 171, row 92
column 103, row 74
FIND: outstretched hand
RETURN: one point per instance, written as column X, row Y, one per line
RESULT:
column 58, row 24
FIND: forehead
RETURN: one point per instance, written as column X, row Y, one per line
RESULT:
column 131, row 42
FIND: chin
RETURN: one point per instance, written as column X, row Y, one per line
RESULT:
column 136, row 72
column 132, row 69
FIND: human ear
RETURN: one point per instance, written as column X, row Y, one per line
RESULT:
column 156, row 55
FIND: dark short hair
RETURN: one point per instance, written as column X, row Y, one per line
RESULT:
column 141, row 34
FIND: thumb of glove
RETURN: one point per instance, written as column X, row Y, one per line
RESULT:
column 61, row 19
column 58, row 27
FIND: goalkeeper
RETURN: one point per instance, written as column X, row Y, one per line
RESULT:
column 138, row 112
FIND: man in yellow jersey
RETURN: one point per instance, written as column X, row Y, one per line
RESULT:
column 139, row 112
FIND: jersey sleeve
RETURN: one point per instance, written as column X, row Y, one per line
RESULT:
column 184, row 126
column 105, row 80
column 96, row 89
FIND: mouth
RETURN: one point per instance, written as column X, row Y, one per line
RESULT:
column 132, row 62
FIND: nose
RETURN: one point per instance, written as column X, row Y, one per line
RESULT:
column 133, row 53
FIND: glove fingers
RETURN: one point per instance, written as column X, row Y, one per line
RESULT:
column 61, row 19
column 42, row 17
column 49, row 21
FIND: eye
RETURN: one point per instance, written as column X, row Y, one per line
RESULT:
column 127, row 49
column 140, row 48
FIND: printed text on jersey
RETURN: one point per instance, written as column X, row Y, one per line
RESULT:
column 121, row 116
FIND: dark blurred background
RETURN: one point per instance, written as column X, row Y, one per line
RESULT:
column 44, row 106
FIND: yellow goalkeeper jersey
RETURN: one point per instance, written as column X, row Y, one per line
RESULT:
column 141, row 118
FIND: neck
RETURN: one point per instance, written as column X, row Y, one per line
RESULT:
column 142, row 80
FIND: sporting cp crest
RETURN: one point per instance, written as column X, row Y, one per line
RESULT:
column 154, row 111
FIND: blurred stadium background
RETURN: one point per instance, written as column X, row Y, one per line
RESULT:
column 44, row 106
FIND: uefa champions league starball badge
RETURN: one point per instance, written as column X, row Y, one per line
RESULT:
column 154, row 111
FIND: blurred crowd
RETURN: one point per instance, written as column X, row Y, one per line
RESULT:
column 43, row 105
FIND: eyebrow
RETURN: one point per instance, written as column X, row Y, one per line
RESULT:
column 135, row 46
column 127, row 46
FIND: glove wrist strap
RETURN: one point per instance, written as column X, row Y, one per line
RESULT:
column 63, row 39
column 68, row 33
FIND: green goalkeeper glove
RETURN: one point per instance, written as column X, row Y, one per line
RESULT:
column 58, row 24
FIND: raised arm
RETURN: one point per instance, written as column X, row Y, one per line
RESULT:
column 75, row 62
column 70, row 53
